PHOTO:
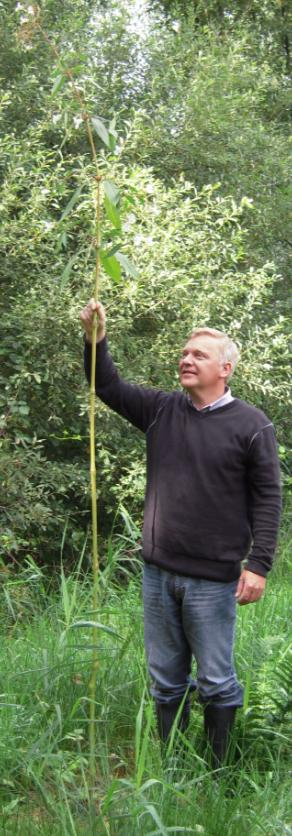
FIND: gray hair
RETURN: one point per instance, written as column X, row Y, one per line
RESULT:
column 228, row 350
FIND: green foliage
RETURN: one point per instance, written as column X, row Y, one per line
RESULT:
column 270, row 23
column 37, row 497
column 25, row 61
column 222, row 115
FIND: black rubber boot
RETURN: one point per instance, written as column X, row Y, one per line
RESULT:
column 218, row 722
column 166, row 714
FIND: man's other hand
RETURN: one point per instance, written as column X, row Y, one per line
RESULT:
column 87, row 319
column 250, row 587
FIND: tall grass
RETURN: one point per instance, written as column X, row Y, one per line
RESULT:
column 45, row 667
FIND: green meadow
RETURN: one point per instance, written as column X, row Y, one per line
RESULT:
column 45, row 668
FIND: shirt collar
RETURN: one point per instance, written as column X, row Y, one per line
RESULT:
column 222, row 401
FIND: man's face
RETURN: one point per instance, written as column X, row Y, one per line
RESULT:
column 200, row 367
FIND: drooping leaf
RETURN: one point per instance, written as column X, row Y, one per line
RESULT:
column 112, row 192
column 97, row 624
column 127, row 265
column 58, row 84
column 112, row 213
column 112, row 133
column 67, row 271
column 112, row 140
column 112, row 126
column 101, row 130
column 111, row 266
column 71, row 203
column 153, row 812
column 62, row 242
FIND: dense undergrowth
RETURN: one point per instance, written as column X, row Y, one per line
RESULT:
column 45, row 665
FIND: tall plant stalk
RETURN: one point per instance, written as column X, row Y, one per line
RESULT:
column 95, row 555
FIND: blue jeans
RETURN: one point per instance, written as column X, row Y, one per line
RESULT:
column 185, row 617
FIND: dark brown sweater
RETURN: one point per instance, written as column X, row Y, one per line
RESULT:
column 213, row 482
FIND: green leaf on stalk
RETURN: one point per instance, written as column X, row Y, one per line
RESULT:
column 98, row 625
column 111, row 266
column 111, row 191
column 112, row 134
column 101, row 130
column 112, row 140
column 112, row 126
column 112, row 213
column 66, row 272
column 72, row 202
column 58, row 84
column 127, row 265
column 62, row 242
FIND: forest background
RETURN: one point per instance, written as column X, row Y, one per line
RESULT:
column 202, row 102
column 198, row 96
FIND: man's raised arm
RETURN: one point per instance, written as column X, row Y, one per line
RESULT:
column 137, row 404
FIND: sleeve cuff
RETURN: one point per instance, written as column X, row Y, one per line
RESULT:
column 102, row 344
column 257, row 568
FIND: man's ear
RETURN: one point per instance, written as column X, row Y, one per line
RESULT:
column 226, row 370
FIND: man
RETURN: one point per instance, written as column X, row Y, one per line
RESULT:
column 212, row 500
